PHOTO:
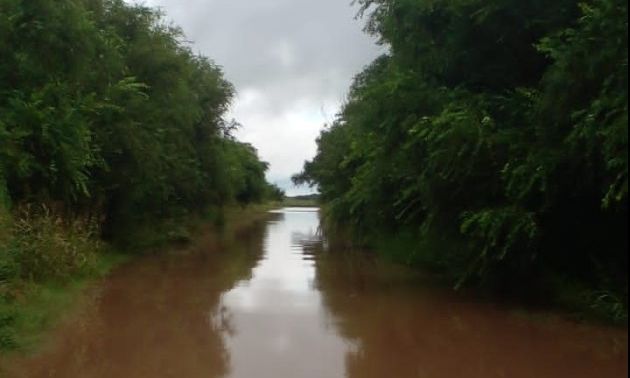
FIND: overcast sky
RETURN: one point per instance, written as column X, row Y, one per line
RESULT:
column 291, row 62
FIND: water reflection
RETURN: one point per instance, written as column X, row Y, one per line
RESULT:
column 275, row 300
column 150, row 318
column 403, row 327
column 279, row 326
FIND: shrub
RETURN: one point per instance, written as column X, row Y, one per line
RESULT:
column 47, row 247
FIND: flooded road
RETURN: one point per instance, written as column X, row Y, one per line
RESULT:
column 276, row 301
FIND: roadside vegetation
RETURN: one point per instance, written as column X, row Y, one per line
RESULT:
column 490, row 144
column 112, row 132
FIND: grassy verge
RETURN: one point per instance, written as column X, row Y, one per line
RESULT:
column 30, row 307
column 46, row 266
column 36, row 306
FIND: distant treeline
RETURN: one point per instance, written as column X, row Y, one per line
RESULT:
column 305, row 197
column 490, row 143
column 106, row 112
column 306, row 200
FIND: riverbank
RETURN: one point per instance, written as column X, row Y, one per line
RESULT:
column 548, row 291
column 35, row 307
column 442, row 259
column 29, row 308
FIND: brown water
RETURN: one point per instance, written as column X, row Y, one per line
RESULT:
column 277, row 301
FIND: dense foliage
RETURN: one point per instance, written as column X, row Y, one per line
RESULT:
column 493, row 138
column 106, row 112
column 110, row 127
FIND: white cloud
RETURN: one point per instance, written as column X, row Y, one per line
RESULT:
column 291, row 62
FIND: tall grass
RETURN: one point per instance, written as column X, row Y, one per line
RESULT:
column 40, row 250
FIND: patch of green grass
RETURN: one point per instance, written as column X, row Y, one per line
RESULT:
column 29, row 308
column 31, row 303
column 41, row 306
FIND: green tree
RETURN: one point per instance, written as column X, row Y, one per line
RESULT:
column 498, row 128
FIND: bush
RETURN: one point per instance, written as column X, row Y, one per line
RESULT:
column 46, row 247
column 39, row 249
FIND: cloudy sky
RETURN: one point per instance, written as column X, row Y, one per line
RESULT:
column 291, row 62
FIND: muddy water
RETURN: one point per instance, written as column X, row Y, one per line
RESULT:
column 276, row 301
